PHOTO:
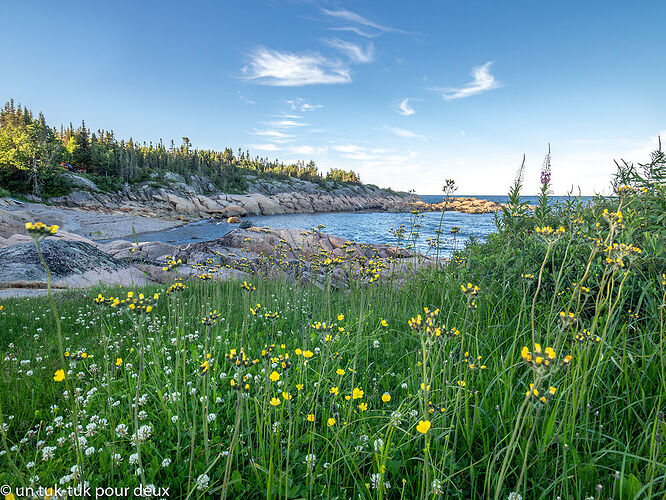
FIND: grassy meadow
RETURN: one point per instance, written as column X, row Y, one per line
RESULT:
column 529, row 366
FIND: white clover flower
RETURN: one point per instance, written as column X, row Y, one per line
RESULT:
column 202, row 482
column 166, row 462
column 310, row 460
column 48, row 452
column 134, row 459
column 144, row 432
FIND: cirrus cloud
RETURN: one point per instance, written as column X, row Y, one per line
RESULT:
column 288, row 69
column 483, row 81
column 404, row 108
column 356, row 53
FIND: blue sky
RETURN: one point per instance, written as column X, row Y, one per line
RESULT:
column 406, row 93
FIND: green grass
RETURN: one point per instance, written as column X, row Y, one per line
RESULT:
column 599, row 434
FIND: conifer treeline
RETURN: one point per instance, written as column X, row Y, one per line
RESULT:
column 33, row 156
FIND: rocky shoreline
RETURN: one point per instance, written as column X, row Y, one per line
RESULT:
column 195, row 198
column 87, row 215
column 299, row 256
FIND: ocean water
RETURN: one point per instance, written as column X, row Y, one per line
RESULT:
column 364, row 227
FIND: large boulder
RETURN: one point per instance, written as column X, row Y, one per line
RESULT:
column 233, row 211
column 64, row 258
column 81, row 182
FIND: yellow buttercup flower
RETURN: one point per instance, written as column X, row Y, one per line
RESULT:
column 334, row 390
column 310, row 417
column 340, row 371
column 275, row 376
column 119, row 361
column 386, row 397
column 423, row 426
column 275, row 401
column 357, row 393
column 59, row 375
column 362, row 406
column 331, row 422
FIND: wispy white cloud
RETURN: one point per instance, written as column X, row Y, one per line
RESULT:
column 404, row 108
column 407, row 134
column 483, row 81
column 299, row 104
column 354, row 18
column 356, row 53
column 287, row 69
column 354, row 152
column 306, row 150
column 286, row 124
column 274, row 135
column 356, row 30
column 265, row 147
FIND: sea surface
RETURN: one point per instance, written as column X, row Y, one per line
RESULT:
column 364, row 227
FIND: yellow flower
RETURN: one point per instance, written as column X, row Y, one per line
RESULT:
column 423, row 426
column 331, row 422
column 307, row 354
column 299, row 387
column 340, row 371
column 386, row 397
column 286, row 396
column 275, row 376
column 357, row 393
column 275, row 401
column 59, row 375
column 334, row 390
column 10, row 496
column 462, row 383
column 298, row 351
column 362, row 406
column 384, row 323
column 310, row 417
column 119, row 361
column 341, row 317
